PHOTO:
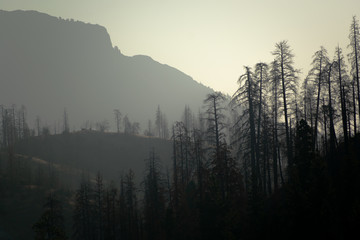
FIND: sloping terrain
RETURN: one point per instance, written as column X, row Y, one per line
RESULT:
column 111, row 154
column 57, row 163
column 48, row 64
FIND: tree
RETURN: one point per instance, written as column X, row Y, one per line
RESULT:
column 354, row 103
column 102, row 126
column 51, row 223
column 187, row 118
column 260, row 75
column 275, row 79
column 245, row 126
column 38, row 125
column 149, row 131
column 154, row 202
column 307, row 101
column 331, row 112
column 83, row 212
column 354, row 37
column 175, row 171
column 127, row 125
column 117, row 114
column 66, row 128
column 181, row 148
column 110, row 212
column 283, row 55
column 135, row 128
column 132, row 228
column 317, row 75
column 13, row 125
column 161, row 124
column 215, row 120
column 343, row 78
column 158, row 121
column 99, row 205
column 22, row 126
column 216, row 124
column 304, row 152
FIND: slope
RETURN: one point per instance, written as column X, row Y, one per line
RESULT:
column 48, row 64
column 90, row 151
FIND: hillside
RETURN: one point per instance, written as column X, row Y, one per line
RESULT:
column 48, row 64
column 111, row 154
column 57, row 163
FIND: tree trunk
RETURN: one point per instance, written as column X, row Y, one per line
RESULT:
column 354, row 103
column 175, row 171
column 289, row 155
column 275, row 141
column 258, row 131
column 325, row 130
column 331, row 117
column 254, row 177
column 342, row 99
column 356, row 67
column 317, row 105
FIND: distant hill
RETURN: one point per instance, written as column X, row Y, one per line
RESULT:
column 91, row 151
column 48, row 64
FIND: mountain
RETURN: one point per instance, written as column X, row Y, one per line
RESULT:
column 50, row 64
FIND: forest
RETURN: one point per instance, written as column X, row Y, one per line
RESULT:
column 280, row 158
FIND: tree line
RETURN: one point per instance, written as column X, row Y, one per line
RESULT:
column 264, row 161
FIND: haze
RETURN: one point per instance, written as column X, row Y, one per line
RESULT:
column 211, row 40
column 116, row 120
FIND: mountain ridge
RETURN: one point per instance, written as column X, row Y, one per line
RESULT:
column 74, row 65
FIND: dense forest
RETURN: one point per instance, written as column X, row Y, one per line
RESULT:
column 278, row 159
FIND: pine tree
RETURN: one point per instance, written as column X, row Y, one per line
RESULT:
column 154, row 201
column 83, row 212
column 51, row 223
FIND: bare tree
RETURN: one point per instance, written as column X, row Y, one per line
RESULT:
column 66, row 128
column 215, row 120
column 331, row 110
column 127, row 125
column 245, row 124
column 103, row 126
column 275, row 79
column 342, row 83
column 260, row 75
column 99, row 204
column 117, row 114
column 354, row 37
column 283, row 55
column 38, row 125
column 317, row 75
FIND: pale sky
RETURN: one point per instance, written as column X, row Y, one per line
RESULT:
column 211, row 40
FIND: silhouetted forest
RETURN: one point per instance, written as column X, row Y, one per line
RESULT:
column 276, row 160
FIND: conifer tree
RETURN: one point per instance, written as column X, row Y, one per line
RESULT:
column 51, row 223
column 354, row 55
column 283, row 55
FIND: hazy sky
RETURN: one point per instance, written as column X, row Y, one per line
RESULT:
column 211, row 40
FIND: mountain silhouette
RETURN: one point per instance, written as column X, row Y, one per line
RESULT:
column 50, row 64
